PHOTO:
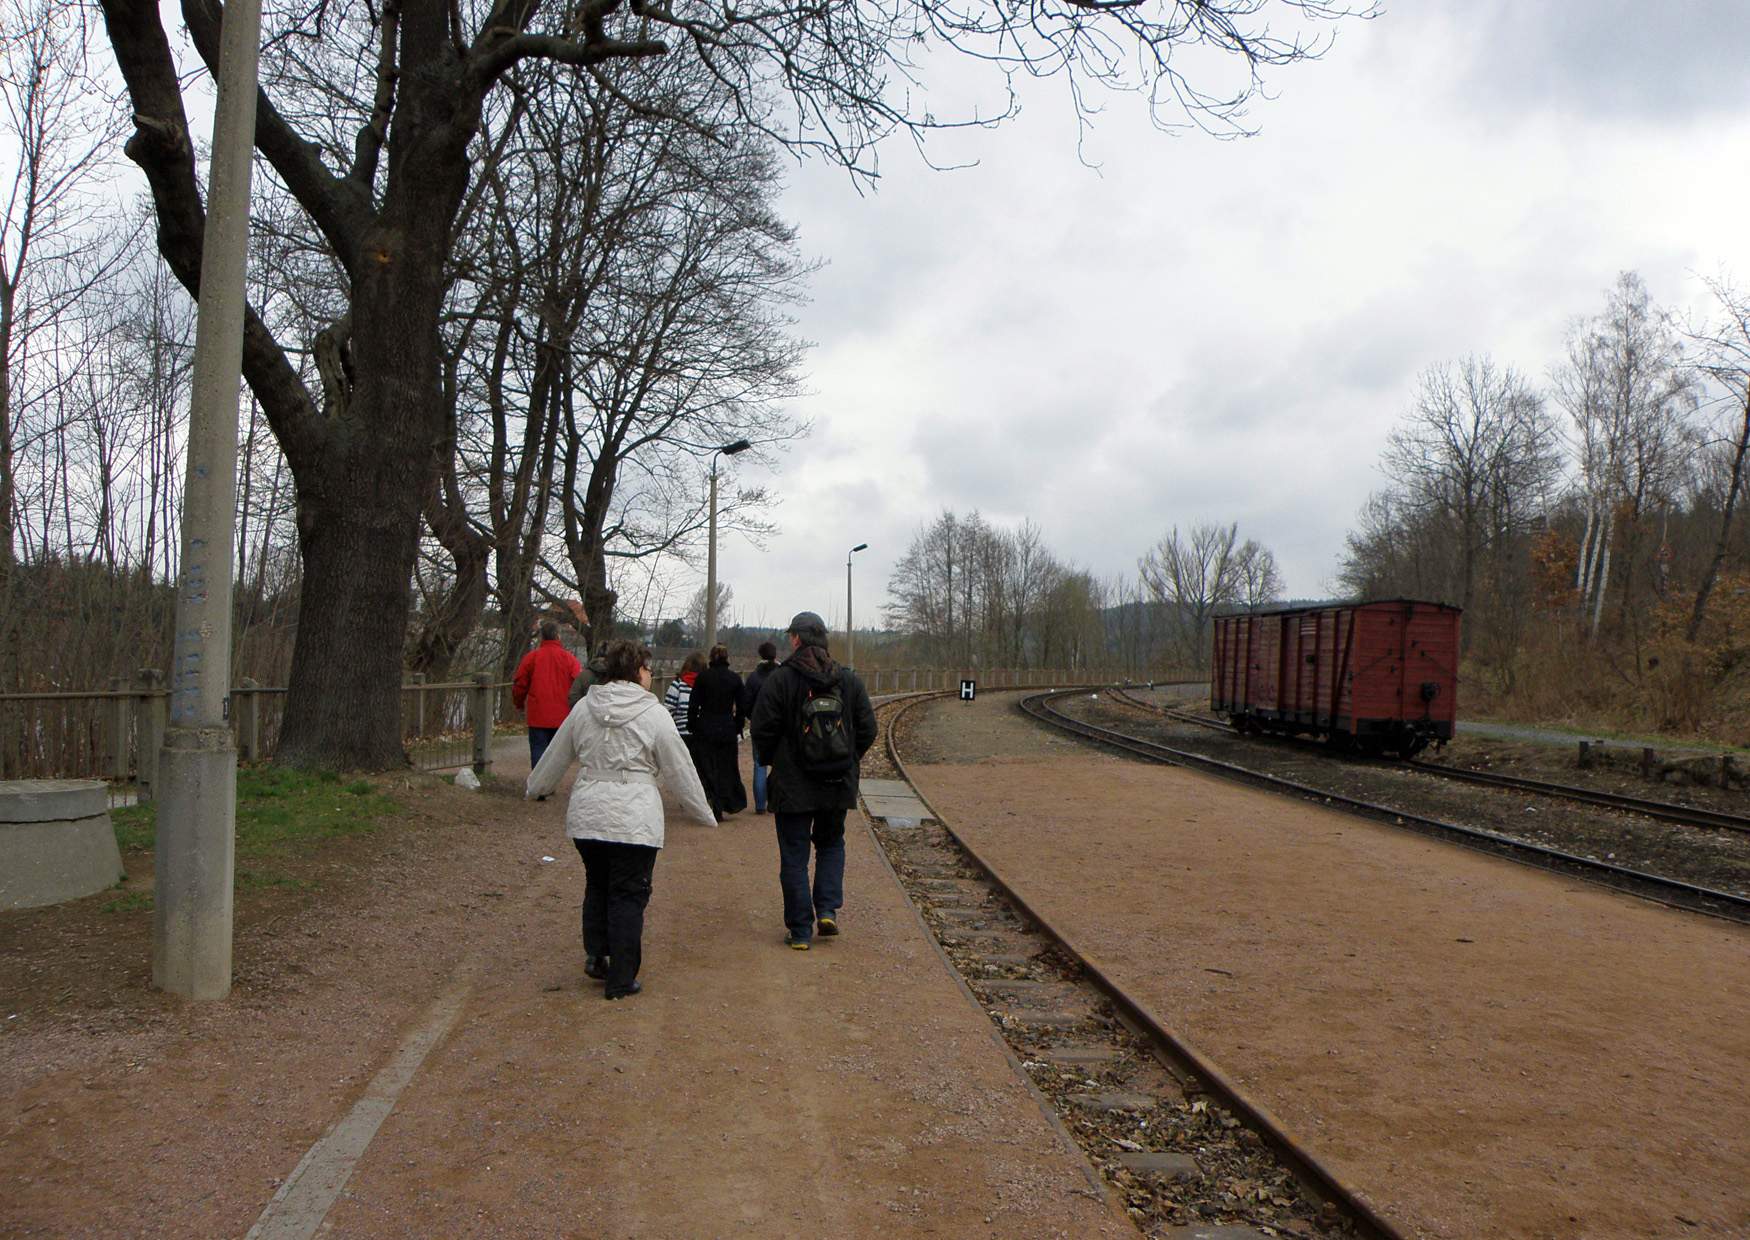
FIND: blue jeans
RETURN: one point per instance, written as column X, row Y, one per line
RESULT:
column 759, row 784
column 824, row 829
column 538, row 741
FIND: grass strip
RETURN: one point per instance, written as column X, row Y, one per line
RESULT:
column 280, row 813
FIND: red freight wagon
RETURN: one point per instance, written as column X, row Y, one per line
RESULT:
column 1381, row 675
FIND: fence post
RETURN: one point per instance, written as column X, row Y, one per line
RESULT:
column 419, row 704
column 481, row 703
column 248, row 720
column 149, row 719
column 118, row 730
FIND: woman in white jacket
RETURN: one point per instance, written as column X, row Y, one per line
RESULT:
column 628, row 748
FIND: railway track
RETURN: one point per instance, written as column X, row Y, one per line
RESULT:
column 1656, row 887
column 1663, row 811
column 1178, row 1141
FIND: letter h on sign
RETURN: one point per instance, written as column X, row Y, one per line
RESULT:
column 968, row 690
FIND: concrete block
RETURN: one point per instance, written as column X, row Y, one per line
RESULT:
column 52, row 800
column 56, row 842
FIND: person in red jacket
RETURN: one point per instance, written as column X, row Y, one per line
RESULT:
column 543, row 679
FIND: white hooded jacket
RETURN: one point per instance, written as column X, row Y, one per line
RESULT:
column 626, row 745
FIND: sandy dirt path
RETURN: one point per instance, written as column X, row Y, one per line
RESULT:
column 849, row 1091
column 1486, row 1050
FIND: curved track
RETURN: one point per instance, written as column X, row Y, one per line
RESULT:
column 1663, row 811
column 1184, row 1059
column 1655, row 887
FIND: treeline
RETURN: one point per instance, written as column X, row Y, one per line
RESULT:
column 515, row 278
column 1587, row 524
column 614, row 307
column 972, row 594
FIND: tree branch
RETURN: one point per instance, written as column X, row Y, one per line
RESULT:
column 162, row 148
column 340, row 208
column 369, row 144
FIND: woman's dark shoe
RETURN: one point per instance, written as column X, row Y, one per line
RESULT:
column 633, row 989
column 596, row 967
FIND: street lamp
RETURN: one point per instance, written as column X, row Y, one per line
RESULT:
column 728, row 449
column 850, row 632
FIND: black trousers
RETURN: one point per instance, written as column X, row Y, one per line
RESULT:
column 616, row 889
column 719, row 764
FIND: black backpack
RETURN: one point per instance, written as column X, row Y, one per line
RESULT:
column 824, row 744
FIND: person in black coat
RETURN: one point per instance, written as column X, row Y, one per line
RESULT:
column 750, row 693
column 808, row 803
column 714, row 722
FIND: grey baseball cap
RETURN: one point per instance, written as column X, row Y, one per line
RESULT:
column 808, row 626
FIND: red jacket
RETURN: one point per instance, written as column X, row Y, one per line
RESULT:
column 543, row 679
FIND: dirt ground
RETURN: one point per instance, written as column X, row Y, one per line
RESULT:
column 1485, row 1049
column 849, row 1091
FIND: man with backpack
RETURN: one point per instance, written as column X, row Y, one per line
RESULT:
column 813, row 722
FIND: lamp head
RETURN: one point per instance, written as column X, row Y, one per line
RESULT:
column 730, row 449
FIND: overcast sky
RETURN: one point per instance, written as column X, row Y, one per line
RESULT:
column 1203, row 330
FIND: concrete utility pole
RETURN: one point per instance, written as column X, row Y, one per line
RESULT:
column 728, row 449
column 197, row 811
column 850, row 629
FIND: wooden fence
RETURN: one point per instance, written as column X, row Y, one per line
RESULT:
column 115, row 734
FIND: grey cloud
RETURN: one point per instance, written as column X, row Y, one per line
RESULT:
column 1619, row 58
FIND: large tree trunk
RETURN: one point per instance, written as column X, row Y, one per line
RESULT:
column 359, row 504
column 343, row 705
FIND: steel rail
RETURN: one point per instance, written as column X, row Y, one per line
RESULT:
column 1179, row 1054
column 1663, row 811
column 1655, row 887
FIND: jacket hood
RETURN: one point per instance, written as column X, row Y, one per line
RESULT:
column 817, row 666
column 617, row 703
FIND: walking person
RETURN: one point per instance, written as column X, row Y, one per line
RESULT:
column 627, row 748
column 814, row 720
column 679, row 700
column 593, row 672
column 750, row 693
column 714, row 721
column 542, row 680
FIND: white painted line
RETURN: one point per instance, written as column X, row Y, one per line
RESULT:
column 304, row 1200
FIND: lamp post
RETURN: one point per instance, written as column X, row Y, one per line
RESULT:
column 850, row 631
column 728, row 449
column 195, row 849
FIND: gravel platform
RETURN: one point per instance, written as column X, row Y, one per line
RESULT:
column 1485, row 1049
column 849, row 1091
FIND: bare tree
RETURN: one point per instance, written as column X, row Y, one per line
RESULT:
column 1629, row 398
column 1258, row 580
column 366, row 117
column 53, row 132
column 1475, row 455
column 1193, row 575
column 1723, row 357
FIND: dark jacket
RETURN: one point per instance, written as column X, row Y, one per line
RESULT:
column 777, row 716
column 750, row 689
column 714, row 711
column 750, row 693
column 590, row 675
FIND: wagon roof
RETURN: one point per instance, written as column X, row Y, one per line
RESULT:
column 1350, row 605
